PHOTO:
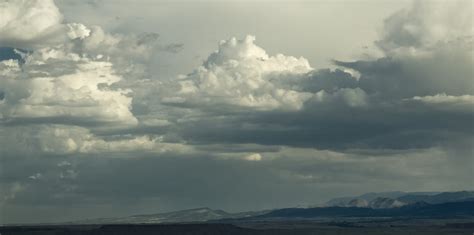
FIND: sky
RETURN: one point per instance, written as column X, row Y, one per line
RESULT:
column 114, row 108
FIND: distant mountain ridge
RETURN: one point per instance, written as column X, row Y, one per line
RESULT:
column 450, row 209
column 399, row 199
column 191, row 215
column 383, row 202
column 386, row 204
column 439, row 198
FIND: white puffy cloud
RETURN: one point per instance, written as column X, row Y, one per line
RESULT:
column 57, row 86
column 117, row 45
column 72, row 72
column 428, row 50
column 72, row 80
column 332, row 108
column 35, row 24
column 36, row 176
column 47, row 139
column 446, row 99
column 418, row 29
column 30, row 23
column 76, row 30
column 253, row 157
column 242, row 74
column 462, row 103
column 351, row 97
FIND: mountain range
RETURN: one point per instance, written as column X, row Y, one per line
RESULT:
column 445, row 210
column 398, row 199
column 183, row 216
column 386, row 204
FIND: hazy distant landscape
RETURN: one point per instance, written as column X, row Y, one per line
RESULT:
column 372, row 213
column 445, row 205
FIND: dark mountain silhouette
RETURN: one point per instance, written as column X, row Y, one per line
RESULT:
column 450, row 209
column 438, row 198
column 398, row 199
column 343, row 201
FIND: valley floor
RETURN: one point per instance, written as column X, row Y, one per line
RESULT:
column 404, row 226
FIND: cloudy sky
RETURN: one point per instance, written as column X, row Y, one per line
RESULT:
column 115, row 107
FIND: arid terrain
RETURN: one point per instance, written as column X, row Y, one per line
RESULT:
column 367, row 227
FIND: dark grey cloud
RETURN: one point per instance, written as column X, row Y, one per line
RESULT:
column 402, row 126
column 448, row 71
column 287, row 178
column 327, row 80
column 174, row 47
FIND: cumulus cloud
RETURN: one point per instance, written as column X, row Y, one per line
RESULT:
column 425, row 25
column 462, row 103
column 428, row 50
column 30, row 24
column 344, row 111
column 53, row 87
column 65, row 78
column 95, row 41
column 346, row 96
column 73, row 77
column 279, row 94
column 59, row 140
column 77, row 31
column 242, row 74
column 69, row 81
column 253, row 157
column 35, row 176
column 446, row 99
column 35, row 24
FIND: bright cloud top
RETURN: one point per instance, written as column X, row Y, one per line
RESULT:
column 30, row 24
column 241, row 73
column 79, row 91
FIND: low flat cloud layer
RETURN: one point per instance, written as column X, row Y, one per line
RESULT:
column 87, row 127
